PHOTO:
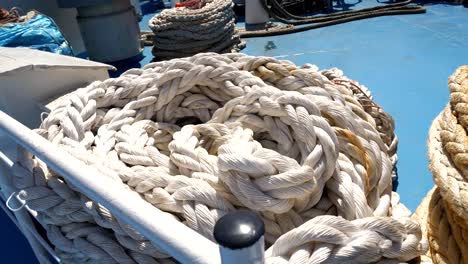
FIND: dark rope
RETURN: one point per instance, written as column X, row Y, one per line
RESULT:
column 7, row 17
column 276, row 11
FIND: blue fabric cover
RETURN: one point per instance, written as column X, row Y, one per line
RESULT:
column 40, row 33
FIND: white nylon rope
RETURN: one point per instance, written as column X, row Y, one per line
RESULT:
column 288, row 142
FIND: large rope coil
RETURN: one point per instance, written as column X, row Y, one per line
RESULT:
column 205, row 135
column 447, row 212
column 182, row 32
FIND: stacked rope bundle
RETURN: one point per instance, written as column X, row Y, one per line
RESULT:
column 7, row 17
column 202, row 136
column 446, row 213
column 181, row 32
column 13, row 16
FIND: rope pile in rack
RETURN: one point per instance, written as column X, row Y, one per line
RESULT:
column 13, row 16
column 205, row 135
column 447, row 220
column 7, row 17
column 181, row 32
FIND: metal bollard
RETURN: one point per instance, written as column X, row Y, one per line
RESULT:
column 109, row 28
column 240, row 236
column 255, row 14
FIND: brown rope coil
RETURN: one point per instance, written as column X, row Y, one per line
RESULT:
column 7, row 17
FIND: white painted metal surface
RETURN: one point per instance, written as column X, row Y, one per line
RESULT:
column 14, row 60
column 175, row 238
column 255, row 13
column 29, row 77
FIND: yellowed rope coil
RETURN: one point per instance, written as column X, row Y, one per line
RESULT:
column 447, row 212
column 421, row 216
column 439, row 226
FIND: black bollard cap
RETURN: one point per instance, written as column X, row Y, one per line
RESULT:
column 239, row 229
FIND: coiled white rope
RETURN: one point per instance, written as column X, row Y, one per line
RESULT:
column 201, row 136
column 181, row 32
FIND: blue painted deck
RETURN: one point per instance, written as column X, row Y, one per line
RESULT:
column 404, row 60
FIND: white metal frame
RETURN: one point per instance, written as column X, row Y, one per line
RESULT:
column 181, row 242
column 178, row 240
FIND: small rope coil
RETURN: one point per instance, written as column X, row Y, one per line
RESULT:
column 7, row 17
column 183, row 31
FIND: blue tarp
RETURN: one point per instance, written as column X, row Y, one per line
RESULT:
column 40, row 33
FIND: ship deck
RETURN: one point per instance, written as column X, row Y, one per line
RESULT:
column 404, row 60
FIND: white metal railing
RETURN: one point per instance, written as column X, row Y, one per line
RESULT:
column 181, row 242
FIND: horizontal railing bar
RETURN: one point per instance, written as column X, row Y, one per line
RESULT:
column 6, row 160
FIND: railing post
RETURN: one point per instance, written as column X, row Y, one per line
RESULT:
column 240, row 236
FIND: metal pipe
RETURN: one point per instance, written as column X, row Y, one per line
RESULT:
column 241, row 238
column 255, row 14
column 176, row 239
column 109, row 29
column 6, row 161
